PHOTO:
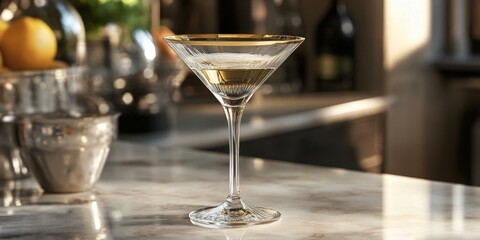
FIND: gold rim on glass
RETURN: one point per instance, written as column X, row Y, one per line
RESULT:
column 233, row 39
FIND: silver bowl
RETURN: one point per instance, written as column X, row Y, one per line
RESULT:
column 66, row 152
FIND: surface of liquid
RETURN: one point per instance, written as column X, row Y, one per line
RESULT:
column 233, row 83
column 233, row 75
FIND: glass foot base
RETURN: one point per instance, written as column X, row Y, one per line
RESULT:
column 226, row 216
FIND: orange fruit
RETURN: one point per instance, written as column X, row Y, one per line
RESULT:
column 4, row 70
column 28, row 44
column 3, row 28
column 164, row 49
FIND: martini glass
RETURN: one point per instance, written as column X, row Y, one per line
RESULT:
column 233, row 67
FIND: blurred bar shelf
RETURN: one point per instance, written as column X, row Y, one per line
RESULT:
column 458, row 66
column 204, row 126
column 344, row 130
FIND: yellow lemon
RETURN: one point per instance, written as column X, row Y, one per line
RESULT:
column 28, row 44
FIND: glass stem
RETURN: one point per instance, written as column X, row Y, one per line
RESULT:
column 234, row 116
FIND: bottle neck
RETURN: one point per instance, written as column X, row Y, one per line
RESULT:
column 338, row 6
column 289, row 6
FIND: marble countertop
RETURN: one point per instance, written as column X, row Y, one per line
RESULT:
column 146, row 192
column 204, row 125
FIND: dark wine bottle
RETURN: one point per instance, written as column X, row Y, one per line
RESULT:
column 335, row 50
column 292, row 71
column 475, row 26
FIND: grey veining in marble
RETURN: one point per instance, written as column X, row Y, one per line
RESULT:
column 147, row 192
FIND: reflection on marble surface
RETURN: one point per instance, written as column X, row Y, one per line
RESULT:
column 147, row 192
column 55, row 217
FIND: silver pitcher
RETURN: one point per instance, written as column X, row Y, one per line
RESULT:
column 29, row 92
column 11, row 164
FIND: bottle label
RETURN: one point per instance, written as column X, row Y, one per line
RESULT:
column 347, row 66
column 331, row 67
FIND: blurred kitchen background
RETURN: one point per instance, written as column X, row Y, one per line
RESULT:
column 412, row 107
